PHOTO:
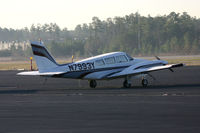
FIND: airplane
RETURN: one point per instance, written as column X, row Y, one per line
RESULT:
column 101, row 67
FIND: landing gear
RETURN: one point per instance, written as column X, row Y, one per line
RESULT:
column 127, row 82
column 93, row 83
column 144, row 82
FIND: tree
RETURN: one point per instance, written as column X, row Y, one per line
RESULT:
column 174, row 33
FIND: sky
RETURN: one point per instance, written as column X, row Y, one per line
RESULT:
column 18, row 14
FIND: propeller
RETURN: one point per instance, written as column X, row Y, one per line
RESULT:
column 160, row 59
column 171, row 70
column 157, row 57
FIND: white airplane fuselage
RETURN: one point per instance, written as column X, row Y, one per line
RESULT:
column 105, row 66
column 91, row 69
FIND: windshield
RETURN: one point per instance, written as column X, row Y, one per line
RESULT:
column 129, row 57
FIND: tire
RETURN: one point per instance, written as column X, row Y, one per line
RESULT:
column 93, row 83
column 126, row 84
column 144, row 82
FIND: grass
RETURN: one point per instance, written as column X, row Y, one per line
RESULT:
column 15, row 65
column 20, row 65
column 25, row 65
column 188, row 62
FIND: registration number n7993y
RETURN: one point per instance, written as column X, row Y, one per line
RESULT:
column 81, row 66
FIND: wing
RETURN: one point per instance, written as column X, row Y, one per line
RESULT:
column 37, row 73
column 143, row 69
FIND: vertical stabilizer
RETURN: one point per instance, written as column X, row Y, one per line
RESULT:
column 42, row 57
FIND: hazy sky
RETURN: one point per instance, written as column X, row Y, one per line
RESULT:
column 69, row 13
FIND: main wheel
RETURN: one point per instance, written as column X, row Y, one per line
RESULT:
column 144, row 82
column 93, row 83
column 126, row 84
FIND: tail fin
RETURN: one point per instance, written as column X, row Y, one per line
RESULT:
column 43, row 59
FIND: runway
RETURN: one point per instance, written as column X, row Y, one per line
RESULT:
column 171, row 103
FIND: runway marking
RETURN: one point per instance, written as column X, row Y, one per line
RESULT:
column 18, row 91
column 8, row 87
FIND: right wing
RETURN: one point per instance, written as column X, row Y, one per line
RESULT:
column 135, row 71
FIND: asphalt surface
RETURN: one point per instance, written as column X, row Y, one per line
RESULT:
column 171, row 103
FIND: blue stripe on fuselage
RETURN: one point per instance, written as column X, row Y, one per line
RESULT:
column 83, row 73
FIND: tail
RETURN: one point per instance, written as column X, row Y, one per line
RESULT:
column 42, row 57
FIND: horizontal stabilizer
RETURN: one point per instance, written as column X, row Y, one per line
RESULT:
column 37, row 73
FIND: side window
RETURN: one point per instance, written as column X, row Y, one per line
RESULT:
column 121, row 58
column 110, row 60
column 99, row 62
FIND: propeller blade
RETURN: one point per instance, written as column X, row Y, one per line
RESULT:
column 171, row 70
column 157, row 58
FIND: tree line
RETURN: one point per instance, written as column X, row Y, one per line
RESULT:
column 135, row 34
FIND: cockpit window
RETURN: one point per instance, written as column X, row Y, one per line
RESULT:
column 121, row 58
column 110, row 60
column 99, row 62
column 129, row 57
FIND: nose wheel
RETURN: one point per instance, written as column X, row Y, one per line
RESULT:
column 93, row 83
column 144, row 82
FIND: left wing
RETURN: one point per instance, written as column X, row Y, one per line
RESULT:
column 142, row 70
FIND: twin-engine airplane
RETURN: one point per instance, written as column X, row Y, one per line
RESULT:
column 102, row 67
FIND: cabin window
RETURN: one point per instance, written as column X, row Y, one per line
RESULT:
column 121, row 58
column 110, row 60
column 99, row 62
